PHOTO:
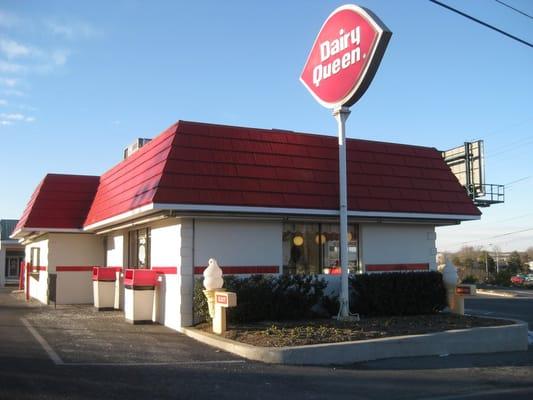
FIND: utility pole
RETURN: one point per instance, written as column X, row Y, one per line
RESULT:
column 487, row 264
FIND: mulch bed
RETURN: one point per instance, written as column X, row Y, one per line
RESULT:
column 298, row 333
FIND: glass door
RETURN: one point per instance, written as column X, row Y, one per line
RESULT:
column 13, row 266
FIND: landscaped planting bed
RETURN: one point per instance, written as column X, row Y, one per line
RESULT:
column 316, row 331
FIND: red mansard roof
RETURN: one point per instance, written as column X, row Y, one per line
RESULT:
column 212, row 165
column 203, row 164
column 59, row 202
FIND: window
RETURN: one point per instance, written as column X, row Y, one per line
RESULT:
column 35, row 261
column 314, row 248
column 139, row 248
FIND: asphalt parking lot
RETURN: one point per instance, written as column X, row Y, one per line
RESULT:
column 77, row 353
column 80, row 335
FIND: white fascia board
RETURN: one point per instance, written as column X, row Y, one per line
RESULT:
column 136, row 212
column 310, row 211
column 23, row 232
column 383, row 214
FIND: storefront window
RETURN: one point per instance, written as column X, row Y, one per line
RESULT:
column 314, row 249
column 139, row 248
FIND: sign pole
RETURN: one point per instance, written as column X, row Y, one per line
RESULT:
column 341, row 114
column 342, row 62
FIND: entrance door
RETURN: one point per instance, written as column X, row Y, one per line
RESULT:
column 13, row 266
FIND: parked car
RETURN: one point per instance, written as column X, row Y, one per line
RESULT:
column 518, row 279
column 528, row 280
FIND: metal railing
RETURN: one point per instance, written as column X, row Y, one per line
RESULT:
column 486, row 194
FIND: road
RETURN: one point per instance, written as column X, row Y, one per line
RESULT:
column 156, row 363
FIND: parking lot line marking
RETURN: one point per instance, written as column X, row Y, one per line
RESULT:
column 51, row 353
column 137, row 364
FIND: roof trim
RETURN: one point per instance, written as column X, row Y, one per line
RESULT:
column 136, row 212
column 304, row 211
column 29, row 230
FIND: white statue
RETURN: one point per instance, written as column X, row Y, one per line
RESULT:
column 213, row 276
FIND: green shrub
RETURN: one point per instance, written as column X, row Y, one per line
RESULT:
column 275, row 298
column 266, row 298
column 502, row 278
column 469, row 279
column 402, row 293
column 200, row 308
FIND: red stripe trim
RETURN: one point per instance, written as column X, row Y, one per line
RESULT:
column 396, row 267
column 74, row 269
column 40, row 268
column 165, row 270
column 270, row 269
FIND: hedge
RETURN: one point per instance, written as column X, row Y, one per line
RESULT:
column 397, row 293
column 292, row 297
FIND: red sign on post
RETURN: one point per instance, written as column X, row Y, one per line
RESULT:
column 345, row 56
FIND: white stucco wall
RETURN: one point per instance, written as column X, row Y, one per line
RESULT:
column 165, row 251
column 165, row 243
column 238, row 243
column 75, row 249
column 38, row 287
column 398, row 244
column 75, row 287
column 115, row 251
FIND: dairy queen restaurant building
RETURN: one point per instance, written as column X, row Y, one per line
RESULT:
column 259, row 201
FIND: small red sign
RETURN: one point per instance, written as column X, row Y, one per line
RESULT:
column 345, row 56
column 222, row 299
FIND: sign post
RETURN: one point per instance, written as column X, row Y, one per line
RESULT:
column 342, row 63
column 341, row 114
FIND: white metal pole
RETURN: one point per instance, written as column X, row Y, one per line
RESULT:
column 341, row 114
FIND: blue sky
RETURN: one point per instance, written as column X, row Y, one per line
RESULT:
column 80, row 80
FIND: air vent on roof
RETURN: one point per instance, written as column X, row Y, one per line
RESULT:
column 132, row 148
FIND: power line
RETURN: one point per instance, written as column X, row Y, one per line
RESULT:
column 481, row 22
column 512, row 8
column 525, row 178
column 495, row 236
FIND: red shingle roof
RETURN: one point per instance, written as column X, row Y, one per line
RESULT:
column 59, row 202
column 196, row 163
column 133, row 182
column 202, row 164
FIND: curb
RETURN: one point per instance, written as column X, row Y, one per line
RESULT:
column 491, row 339
column 496, row 293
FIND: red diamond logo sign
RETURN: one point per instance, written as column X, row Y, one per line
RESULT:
column 345, row 56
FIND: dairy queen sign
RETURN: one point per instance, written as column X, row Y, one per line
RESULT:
column 342, row 62
column 345, row 56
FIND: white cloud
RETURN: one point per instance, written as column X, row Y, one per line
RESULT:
column 14, row 92
column 59, row 57
column 12, row 68
column 72, row 30
column 3, row 102
column 12, row 49
column 9, row 82
column 26, row 107
column 13, row 117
